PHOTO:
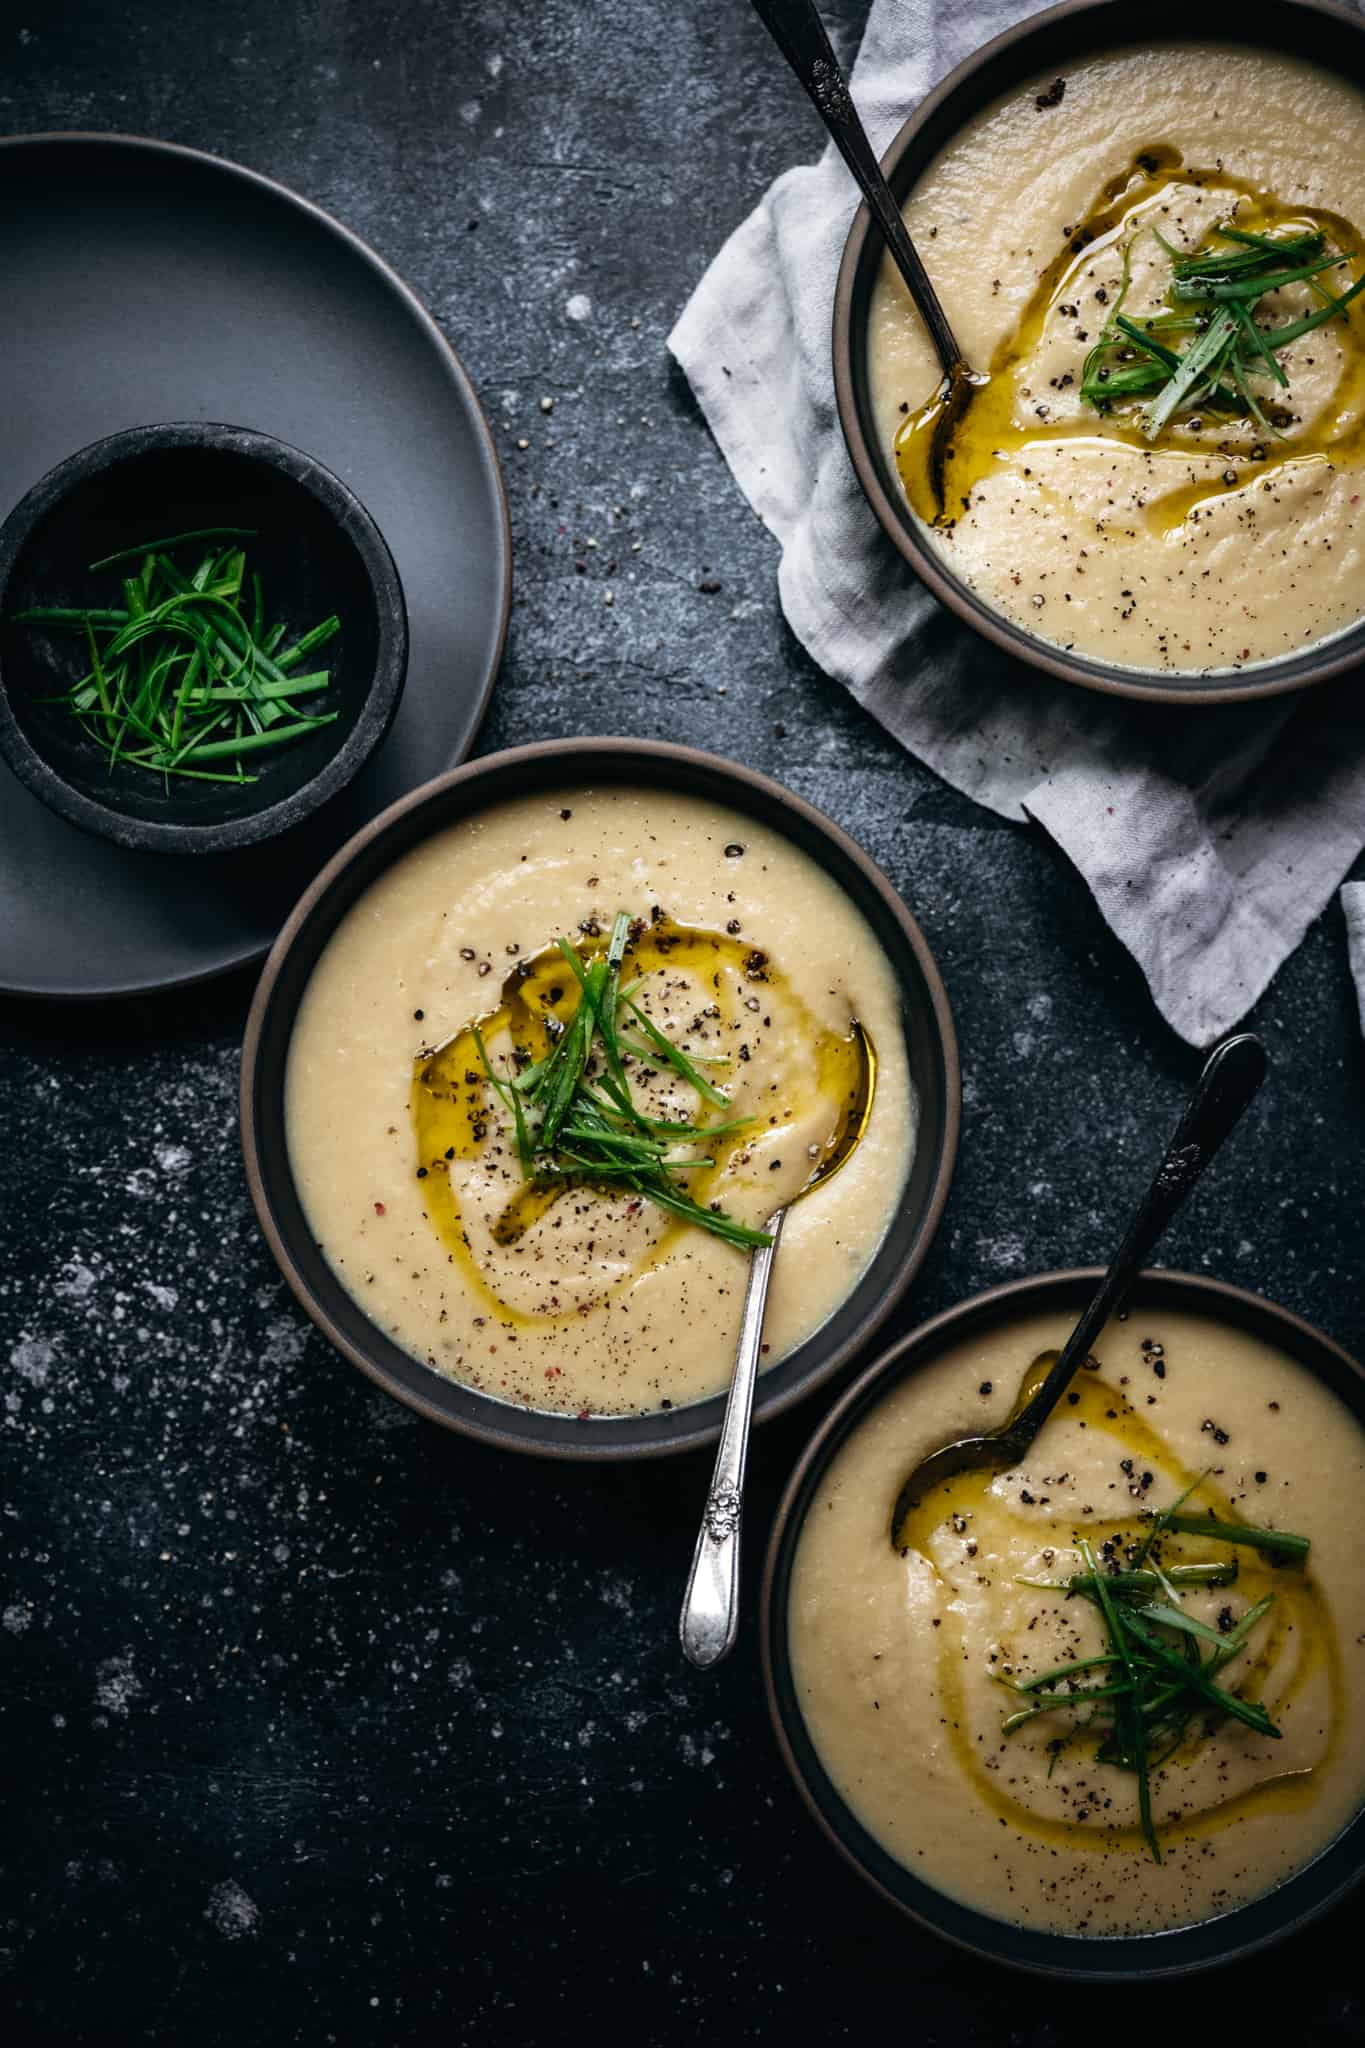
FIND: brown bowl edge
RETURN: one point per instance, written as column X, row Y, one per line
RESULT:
column 1001, row 1941
column 849, row 321
column 572, row 753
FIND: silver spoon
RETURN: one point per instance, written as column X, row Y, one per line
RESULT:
column 795, row 26
column 710, row 1609
column 1232, row 1073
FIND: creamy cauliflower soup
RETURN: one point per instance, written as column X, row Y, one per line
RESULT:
column 585, row 1246
column 1108, row 489
column 962, row 1687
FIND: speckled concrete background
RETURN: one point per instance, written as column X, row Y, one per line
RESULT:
column 322, row 1726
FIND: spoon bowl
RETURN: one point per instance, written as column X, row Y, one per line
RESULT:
column 854, row 1114
column 994, row 1453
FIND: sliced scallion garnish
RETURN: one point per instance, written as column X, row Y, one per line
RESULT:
column 573, row 1123
column 1154, row 1674
column 185, row 671
column 1214, row 293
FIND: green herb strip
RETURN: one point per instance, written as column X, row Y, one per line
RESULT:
column 1128, row 1717
column 1276, row 1543
column 566, row 1128
column 1215, row 371
column 1166, row 1678
column 186, row 671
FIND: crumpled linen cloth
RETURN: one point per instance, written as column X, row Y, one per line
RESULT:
column 1353, row 904
column 1210, row 838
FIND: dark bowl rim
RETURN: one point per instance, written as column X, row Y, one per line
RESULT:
column 849, row 341
column 577, row 757
column 999, row 1941
column 372, row 718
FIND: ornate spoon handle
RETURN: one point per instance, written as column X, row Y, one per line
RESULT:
column 795, row 26
column 710, row 1609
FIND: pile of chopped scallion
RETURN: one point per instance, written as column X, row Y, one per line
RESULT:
column 1158, row 1670
column 186, row 677
column 1212, row 299
column 573, row 1111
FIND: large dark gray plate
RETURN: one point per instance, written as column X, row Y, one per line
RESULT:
column 144, row 282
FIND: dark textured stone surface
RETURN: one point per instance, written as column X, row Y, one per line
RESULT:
column 321, row 1725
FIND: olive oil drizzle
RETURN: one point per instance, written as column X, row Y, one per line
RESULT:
column 940, row 477
column 1298, row 1625
column 455, row 1115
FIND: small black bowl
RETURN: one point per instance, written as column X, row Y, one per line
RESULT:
column 318, row 551
column 931, row 1047
column 1224, row 1937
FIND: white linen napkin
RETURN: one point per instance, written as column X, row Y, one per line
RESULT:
column 1211, row 838
column 1353, row 903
